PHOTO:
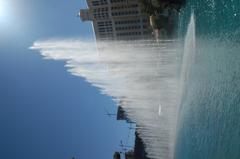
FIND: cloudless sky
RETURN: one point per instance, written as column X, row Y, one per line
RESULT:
column 46, row 113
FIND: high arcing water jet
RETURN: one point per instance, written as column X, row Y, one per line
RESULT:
column 188, row 56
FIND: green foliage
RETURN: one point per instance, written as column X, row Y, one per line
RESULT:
column 148, row 8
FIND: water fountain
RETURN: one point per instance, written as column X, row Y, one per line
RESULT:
column 141, row 75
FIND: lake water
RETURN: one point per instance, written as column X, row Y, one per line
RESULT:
column 209, row 123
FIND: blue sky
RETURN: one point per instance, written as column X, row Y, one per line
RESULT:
column 44, row 111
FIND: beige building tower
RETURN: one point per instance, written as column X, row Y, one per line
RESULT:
column 116, row 19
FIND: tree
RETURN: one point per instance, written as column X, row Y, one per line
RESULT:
column 157, row 6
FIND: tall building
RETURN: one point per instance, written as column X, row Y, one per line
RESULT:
column 116, row 19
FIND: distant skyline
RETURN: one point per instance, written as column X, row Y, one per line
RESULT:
column 45, row 112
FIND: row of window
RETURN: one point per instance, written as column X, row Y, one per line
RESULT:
column 103, row 30
column 104, row 25
column 128, row 22
column 107, row 23
column 124, row 13
column 124, row 7
column 100, row 9
column 99, row 2
column 103, row 15
column 106, row 35
column 129, row 33
column 128, row 28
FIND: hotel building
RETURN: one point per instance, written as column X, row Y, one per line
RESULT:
column 117, row 19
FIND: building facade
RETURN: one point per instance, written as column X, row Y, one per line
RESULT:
column 117, row 19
